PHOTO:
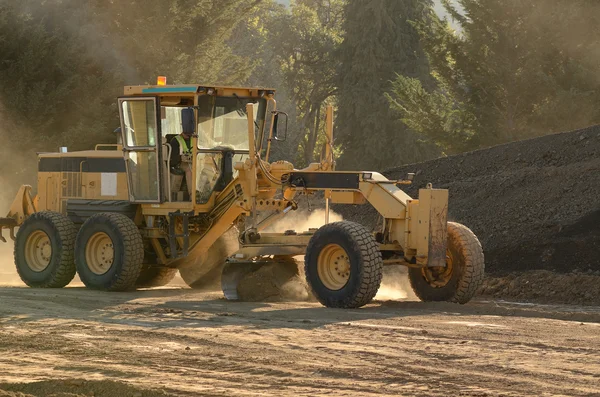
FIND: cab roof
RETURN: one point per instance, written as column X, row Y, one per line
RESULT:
column 192, row 89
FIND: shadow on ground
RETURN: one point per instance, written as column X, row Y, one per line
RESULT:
column 185, row 308
column 77, row 388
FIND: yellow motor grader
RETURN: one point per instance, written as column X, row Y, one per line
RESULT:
column 122, row 217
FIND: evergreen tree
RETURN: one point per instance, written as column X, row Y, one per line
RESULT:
column 301, row 45
column 380, row 41
column 259, row 39
column 63, row 63
column 517, row 70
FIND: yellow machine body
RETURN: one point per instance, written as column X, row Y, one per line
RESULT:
column 233, row 184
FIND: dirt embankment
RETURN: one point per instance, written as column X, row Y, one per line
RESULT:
column 534, row 204
column 543, row 286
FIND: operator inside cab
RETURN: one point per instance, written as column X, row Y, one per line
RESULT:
column 181, row 155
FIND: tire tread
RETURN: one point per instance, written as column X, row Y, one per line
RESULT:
column 371, row 269
column 473, row 270
column 66, row 232
column 133, row 255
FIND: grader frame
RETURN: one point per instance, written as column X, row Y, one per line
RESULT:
column 193, row 235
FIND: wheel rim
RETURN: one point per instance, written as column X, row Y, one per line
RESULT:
column 439, row 277
column 333, row 267
column 38, row 251
column 99, row 253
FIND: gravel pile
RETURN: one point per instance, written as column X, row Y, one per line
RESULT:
column 534, row 204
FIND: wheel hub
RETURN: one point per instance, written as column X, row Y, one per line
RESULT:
column 439, row 277
column 99, row 253
column 38, row 251
column 333, row 267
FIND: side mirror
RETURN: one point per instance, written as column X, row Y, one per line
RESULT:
column 276, row 126
column 188, row 122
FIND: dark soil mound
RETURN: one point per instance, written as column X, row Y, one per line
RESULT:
column 544, row 286
column 534, row 204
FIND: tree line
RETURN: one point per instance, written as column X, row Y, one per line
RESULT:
column 406, row 86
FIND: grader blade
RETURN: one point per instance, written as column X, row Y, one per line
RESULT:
column 270, row 279
column 233, row 273
column 204, row 271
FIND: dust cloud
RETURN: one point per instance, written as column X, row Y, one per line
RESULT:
column 13, row 170
column 8, row 273
column 18, row 159
column 395, row 285
column 303, row 220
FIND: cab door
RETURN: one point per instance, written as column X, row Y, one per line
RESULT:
column 140, row 127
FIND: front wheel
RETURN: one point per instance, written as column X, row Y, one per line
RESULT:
column 463, row 274
column 343, row 265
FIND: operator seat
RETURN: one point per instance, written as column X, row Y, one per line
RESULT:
column 207, row 176
column 215, row 172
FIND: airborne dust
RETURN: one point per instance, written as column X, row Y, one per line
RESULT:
column 10, row 162
column 8, row 274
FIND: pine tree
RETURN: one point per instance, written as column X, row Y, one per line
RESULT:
column 302, row 42
column 380, row 41
column 518, row 69
column 63, row 63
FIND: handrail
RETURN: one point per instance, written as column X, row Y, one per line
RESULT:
column 108, row 145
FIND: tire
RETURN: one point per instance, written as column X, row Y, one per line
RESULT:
column 155, row 277
column 109, row 252
column 361, row 266
column 466, row 274
column 51, row 267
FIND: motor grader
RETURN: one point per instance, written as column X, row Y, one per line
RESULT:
column 120, row 218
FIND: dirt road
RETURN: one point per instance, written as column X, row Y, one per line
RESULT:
column 182, row 342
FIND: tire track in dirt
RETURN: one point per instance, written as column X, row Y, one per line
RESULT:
column 186, row 342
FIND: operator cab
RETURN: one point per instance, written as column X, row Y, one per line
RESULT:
column 219, row 124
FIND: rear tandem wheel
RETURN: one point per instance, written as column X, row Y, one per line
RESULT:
column 109, row 252
column 44, row 250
